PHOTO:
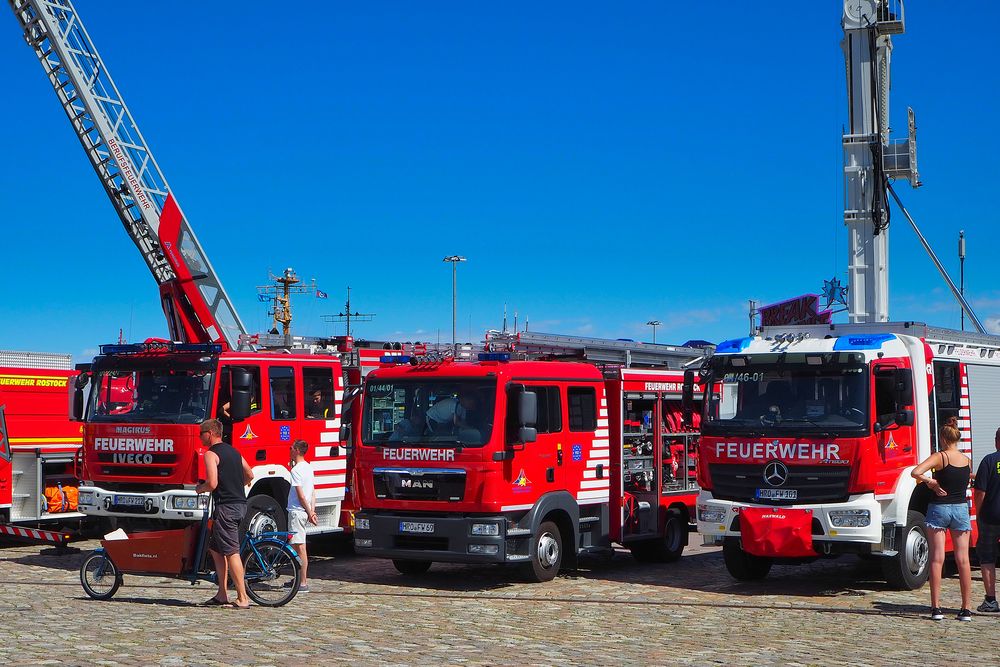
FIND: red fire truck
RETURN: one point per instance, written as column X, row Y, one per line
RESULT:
column 525, row 461
column 38, row 444
column 808, row 444
column 141, row 405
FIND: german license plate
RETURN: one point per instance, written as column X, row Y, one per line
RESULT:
column 130, row 500
column 415, row 527
column 777, row 494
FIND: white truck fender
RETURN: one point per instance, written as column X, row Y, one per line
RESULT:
column 899, row 502
column 261, row 473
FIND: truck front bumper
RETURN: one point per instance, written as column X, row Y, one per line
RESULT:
column 448, row 539
column 719, row 519
column 175, row 504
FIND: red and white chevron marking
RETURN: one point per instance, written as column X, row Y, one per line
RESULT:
column 33, row 534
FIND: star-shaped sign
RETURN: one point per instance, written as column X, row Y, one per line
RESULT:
column 834, row 292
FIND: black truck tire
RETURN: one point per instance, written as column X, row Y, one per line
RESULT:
column 744, row 566
column 909, row 568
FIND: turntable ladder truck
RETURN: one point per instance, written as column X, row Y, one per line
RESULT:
column 142, row 455
column 808, row 444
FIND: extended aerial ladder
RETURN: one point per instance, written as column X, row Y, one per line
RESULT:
column 600, row 351
column 196, row 306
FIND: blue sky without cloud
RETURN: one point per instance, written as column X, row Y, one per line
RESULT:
column 600, row 164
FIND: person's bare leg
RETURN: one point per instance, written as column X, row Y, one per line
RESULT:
column 937, row 562
column 960, row 540
column 303, row 561
column 989, row 578
column 236, row 569
column 221, row 571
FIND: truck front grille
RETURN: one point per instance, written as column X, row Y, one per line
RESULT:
column 814, row 484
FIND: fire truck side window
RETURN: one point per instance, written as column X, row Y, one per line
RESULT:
column 282, row 380
column 885, row 399
column 582, row 403
column 226, row 390
column 549, row 409
column 318, row 399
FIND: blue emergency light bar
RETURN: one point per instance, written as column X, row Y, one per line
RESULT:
column 494, row 356
column 140, row 348
column 395, row 359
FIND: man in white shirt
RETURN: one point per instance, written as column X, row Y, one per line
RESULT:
column 301, row 505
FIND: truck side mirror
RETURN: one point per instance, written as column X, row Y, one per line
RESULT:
column 903, row 386
column 239, row 404
column 527, row 434
column 76, row 397
column 346, row 433
column 687, row 397
column 527, row 409
column 904, row 418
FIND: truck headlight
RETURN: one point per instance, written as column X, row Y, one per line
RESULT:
column 85, row 498
column 711, row 514
column 850, row 518
column 361, row 524
column 185, row 502
column 486, row 529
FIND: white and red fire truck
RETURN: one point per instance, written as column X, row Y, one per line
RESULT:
column 38, row 444
column 526, row 462
column 808, row 443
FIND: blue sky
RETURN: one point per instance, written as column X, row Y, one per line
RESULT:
column 600, row 164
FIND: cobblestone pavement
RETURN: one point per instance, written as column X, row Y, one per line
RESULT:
column 361, row 611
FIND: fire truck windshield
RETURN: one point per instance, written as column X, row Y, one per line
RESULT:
column 431, row 412
column 781, row 394
column 151, row 395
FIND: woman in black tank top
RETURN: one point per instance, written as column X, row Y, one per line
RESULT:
column 948, row 510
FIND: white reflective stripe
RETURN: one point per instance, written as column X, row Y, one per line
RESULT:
column 590, row 474
column 338, row 395
column 328, row 436
column 603, row 412
column 329, row 464
column 964, row 423
column 965, row 391
column 330, row 479
column 600, row 494
column 963, row 412
column 601, row 433
column 595, row 484
column 600, row 442
column 593, row 463
column 602, row 422
column 333, row 423
column 336, row 493
column 322, row 452
column 600, row 453
column 513, row 508
column 592, row 501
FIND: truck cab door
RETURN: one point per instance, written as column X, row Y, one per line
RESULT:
column 896, row 443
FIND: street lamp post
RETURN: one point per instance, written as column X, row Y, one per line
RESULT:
column 654, row 324
column 454, row 259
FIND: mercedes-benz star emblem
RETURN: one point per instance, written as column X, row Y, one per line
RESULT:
column 775, row 473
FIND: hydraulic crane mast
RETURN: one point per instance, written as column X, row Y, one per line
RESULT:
column 193, row 299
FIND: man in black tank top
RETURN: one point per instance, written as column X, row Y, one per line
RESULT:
column 226, row 476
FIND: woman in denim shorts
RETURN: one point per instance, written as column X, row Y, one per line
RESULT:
column 948, row 509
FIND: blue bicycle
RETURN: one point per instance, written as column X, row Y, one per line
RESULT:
column 271, row 564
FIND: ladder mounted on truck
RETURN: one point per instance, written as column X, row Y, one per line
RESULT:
column 197, row 308
column 601, row 351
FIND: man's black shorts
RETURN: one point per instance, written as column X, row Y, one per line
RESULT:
column 226, row 528
column 986, row 545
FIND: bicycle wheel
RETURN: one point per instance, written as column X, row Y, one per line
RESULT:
column 99, row 576
column 272, row 574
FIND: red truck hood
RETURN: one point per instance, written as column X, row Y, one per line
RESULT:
column 142, row 453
